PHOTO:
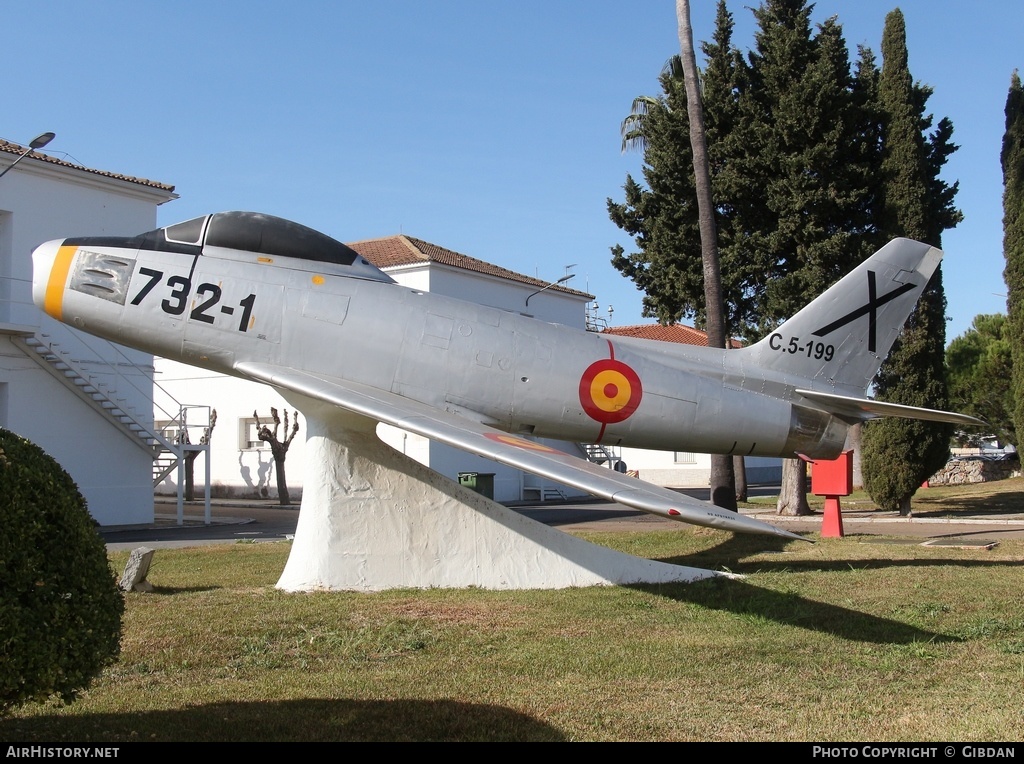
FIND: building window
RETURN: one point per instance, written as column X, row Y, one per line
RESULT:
column 168, row 428
column 685, row 457
column 248, row 435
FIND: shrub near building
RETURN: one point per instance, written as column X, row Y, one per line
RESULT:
column 60, row 608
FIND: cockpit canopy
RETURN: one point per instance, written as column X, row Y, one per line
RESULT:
column 250, row 232
column 262, row 234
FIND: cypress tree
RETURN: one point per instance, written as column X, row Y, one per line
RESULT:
column 1012, row 157
column 900, row 454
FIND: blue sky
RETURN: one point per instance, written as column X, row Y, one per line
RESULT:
column 490, row 128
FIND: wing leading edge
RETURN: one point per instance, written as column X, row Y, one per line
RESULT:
column 507, row 449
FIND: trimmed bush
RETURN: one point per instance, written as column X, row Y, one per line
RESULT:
column 60, row 608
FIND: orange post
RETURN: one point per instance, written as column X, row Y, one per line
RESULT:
column 832, row 525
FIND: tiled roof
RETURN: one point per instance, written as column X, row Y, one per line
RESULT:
column 395, row 251
column 685, row 335
column 14, row 148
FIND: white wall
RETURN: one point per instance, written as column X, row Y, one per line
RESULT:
column 40, row 202
column 236, row 472
column 549, row 305
column 676, row 470
column 239, row 472
column 112, row 473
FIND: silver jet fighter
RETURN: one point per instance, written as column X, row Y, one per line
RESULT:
column 272, row 301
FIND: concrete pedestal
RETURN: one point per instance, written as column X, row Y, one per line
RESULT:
column 372, row 518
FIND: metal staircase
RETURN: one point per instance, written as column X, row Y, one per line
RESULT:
column 166, row 444
column 164, row 463
column 598, row 454
column 534, row 487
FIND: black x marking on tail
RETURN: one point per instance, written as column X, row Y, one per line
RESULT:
column 874, row 302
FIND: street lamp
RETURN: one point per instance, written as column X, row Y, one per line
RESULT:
column 553, row 283
column 37, row 143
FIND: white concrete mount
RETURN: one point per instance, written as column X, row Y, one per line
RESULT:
column 372, row 519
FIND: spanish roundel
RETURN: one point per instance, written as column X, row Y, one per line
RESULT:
column 610, row 391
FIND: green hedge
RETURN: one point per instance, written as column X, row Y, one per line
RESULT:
column 60, row 608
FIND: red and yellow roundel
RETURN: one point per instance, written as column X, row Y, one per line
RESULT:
column 610, row 391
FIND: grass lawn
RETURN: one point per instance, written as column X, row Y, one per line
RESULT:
column 843, row 640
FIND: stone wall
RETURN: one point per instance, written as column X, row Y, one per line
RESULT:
column 975, row 470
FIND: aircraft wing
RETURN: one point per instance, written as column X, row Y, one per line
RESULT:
column 476, row 438
column 862, row 409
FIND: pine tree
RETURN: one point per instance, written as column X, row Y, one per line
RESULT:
column 806, row 194
column 794, row 123
column 1012, row 157
column 979, row 370
column 790, row 174
column 900, row 454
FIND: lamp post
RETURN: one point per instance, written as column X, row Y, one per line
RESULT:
column 553, row 283
column 37, row 143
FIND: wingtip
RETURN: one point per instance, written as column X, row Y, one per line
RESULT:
column 795, row 536
column 775, row 531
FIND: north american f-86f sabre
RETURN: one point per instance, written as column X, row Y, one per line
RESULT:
column 269, row 300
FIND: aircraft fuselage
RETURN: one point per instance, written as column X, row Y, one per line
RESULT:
column 514, row 372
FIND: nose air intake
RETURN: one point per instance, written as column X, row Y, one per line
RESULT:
column 51, row 265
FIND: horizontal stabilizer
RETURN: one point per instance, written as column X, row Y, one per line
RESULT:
column 862, row 409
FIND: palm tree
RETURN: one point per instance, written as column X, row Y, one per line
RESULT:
column 632, row 130
column 723, row 490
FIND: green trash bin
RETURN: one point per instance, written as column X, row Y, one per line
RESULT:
column 485, row 484
column 481, row 482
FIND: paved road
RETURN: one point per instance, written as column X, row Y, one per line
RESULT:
column 260, row 521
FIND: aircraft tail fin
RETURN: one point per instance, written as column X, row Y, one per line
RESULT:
column 841, row 338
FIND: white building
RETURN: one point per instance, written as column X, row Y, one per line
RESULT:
column 86, row 402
